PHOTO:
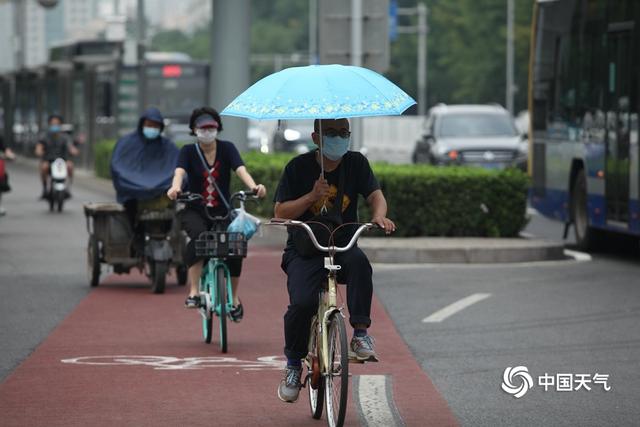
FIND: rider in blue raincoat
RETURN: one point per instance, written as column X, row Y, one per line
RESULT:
column 143, row 162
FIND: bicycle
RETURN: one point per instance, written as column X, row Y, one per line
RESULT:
column 216, row 245
column 328, row 359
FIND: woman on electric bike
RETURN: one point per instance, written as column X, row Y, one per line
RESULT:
column 208, row 164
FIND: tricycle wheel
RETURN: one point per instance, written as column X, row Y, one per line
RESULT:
column 158, row 276
column 93, row 261
column 182, row 273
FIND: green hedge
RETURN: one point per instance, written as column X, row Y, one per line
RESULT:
column 102, row 158
column 423, row 200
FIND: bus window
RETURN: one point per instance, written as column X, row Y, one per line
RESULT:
column 555, row 93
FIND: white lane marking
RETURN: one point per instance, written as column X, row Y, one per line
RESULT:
column 374, row 399
column 578, row 256
column 176, row 363
column 452, row 309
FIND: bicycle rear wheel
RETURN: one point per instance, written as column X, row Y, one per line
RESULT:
column 315, row 381
column 337, row 378
column 207, row 326
column 221, row 300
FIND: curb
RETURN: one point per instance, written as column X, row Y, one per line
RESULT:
column 436, row 250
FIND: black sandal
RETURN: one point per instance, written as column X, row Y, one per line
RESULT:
column 237, row 312
column 192, row 302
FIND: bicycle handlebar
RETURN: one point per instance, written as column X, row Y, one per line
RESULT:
column 352, row 242
column 188, row 197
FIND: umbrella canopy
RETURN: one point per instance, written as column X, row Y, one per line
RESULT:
column 320, row 92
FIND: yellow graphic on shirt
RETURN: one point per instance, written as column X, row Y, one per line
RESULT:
column 330, row 200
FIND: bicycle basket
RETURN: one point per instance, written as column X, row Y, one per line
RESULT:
column 221, row 244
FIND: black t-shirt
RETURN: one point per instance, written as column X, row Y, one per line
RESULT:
column 301, row 173
column 200, row 178
column 55, row 145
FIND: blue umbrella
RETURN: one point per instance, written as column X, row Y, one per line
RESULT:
column 320, row 92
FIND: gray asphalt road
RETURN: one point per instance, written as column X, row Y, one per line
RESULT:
column 553, row 318
column 42, row 264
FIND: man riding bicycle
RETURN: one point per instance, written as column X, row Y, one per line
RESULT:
column 301, row 194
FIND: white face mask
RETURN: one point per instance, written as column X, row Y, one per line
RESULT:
column 206, row 136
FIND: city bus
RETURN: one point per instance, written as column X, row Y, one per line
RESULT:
column 98, row 94
column 584, row 83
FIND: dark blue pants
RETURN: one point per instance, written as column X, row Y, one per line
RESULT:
column 304, row 279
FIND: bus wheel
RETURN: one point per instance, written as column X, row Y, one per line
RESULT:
column 585, row 235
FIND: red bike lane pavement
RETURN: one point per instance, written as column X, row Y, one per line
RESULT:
column 127, row 357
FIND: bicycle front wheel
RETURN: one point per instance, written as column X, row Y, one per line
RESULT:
column 337, row 378
column 221, row 301
column 207, row 316
column 315, row 381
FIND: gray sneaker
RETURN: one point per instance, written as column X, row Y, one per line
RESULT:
column 361, row 349
column 289, row 387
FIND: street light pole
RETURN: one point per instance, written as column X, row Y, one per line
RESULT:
column 421, row 30
column 20, row 32
column 140, row 48
column 229, row 72
column 422, row 59
column 356, row 59
column 313, row 32
column 510, row 55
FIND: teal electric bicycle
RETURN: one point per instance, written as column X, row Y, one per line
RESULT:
column 216, row 246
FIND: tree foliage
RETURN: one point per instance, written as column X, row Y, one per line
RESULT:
column 466, row 46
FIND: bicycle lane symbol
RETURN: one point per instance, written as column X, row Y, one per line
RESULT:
column 176, row 363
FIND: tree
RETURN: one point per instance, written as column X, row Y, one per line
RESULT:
column 466, row 46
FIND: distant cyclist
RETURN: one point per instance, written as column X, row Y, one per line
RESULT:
column 208, row 164
column 54, row 144
column 301, row 194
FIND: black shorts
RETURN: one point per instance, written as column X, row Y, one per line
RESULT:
column 194, row 221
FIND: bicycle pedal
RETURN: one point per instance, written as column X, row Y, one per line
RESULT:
column 354, row 359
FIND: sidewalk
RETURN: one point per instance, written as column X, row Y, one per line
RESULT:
column 409, row 250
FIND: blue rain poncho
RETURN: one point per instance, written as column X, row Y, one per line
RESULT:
column 141, row 168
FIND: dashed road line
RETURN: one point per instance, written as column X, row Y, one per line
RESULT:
column 373, row 395
column 452, row 309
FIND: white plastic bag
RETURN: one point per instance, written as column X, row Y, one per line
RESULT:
column 244, row 223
